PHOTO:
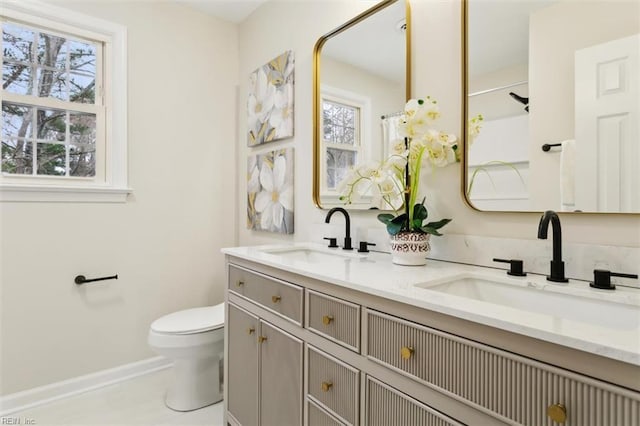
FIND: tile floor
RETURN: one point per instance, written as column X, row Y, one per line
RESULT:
column 139, row 401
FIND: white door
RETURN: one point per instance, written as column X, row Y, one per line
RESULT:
column 607, row 171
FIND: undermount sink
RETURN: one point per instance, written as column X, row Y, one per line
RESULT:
column 311, row 254
column 564, row 303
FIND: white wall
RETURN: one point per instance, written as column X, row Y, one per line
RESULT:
column 280, row 25
column 164, row 242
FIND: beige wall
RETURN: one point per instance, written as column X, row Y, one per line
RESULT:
column 437, row 72
column 164, row 242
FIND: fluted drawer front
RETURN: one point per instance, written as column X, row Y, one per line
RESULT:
column 334, row 385
column 388, row 407
column 514, row 387
column 319, row 417
column 275, row 295
column 334, row 318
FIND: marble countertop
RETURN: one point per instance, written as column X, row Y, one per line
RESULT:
column 602, row 322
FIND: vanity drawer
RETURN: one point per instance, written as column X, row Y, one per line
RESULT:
column 513, row 387
column 336, row 319
column 386, row 406
column 333, row 385
column 319, row 417
column 280, row 297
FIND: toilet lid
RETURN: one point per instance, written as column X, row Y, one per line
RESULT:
column 189, row 321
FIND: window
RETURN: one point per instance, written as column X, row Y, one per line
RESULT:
column 344, row 117
column 63, row 97
column 341, row 137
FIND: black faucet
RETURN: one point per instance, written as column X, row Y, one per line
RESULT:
column 557, row 265
column 347, row 237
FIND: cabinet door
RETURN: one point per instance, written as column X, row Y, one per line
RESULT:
column 242, row 356
column 280, row 377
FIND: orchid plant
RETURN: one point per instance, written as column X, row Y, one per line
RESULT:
column 396, row 179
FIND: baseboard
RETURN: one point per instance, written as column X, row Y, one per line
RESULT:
column 44, row 394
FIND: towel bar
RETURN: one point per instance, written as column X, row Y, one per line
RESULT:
column 81, row 279
column 547, row 146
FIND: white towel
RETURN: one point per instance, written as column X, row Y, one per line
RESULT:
column 568, row 175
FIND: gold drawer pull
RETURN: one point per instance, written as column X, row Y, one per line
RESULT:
column 327, row 319
column 251, row 330
column 239, row 283
column 557, row 413
column 275, row 299
column 261, row 339
column 407, row 352
column 326, row 386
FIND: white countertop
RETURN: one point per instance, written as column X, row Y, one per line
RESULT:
column 375, row 274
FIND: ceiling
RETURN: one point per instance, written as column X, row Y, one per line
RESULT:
column 229, row 10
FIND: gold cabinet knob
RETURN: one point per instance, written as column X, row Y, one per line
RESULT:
column 557, row 413
column 239, row 283
column 275, row 299
column 327, row 319
column 251, row 330
column 261, row 339
column 326, row 386
column 407, row 352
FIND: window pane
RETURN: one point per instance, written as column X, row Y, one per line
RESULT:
column 52, row 84
column 52, row 159
column 51, row 124
column 17, row 42
column 52, row 51
column 82, row 128
column 339, row 122
column 82, row 57
column 82, row 88
column 16, row 120
column 16, row 78
column 82, row 160
column 338, row 163
column 17, row 156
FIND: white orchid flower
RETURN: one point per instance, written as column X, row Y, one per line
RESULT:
column 261, row 99
column 282, row 115
column 276, row 195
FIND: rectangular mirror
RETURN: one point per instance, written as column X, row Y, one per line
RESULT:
column 558, row 85
column 361, row 84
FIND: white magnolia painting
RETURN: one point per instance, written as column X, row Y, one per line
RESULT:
column 270, row 103
column 270, row 191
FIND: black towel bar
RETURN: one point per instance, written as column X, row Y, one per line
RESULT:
column 81, row 279
column 547, row 146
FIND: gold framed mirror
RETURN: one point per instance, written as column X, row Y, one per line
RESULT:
column 361, row 82
column 558, row 85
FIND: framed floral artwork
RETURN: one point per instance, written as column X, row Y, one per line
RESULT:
column 270, row 191
column 270, row 102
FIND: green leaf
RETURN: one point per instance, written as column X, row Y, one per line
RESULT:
column 393, row 228
column 385, row 217
column 429, row 230
column 400, row 219
column 420, row 212
column 437, row 225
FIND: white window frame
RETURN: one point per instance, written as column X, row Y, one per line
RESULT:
column 355, row 100
column 110, row 183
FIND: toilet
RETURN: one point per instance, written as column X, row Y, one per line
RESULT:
column 194, row 340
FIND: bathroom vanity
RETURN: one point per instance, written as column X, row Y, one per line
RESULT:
column 319, row 336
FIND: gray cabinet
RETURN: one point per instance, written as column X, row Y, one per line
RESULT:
column 365, row 360
column 264, row 373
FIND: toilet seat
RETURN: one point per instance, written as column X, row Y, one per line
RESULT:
column 191, row 321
